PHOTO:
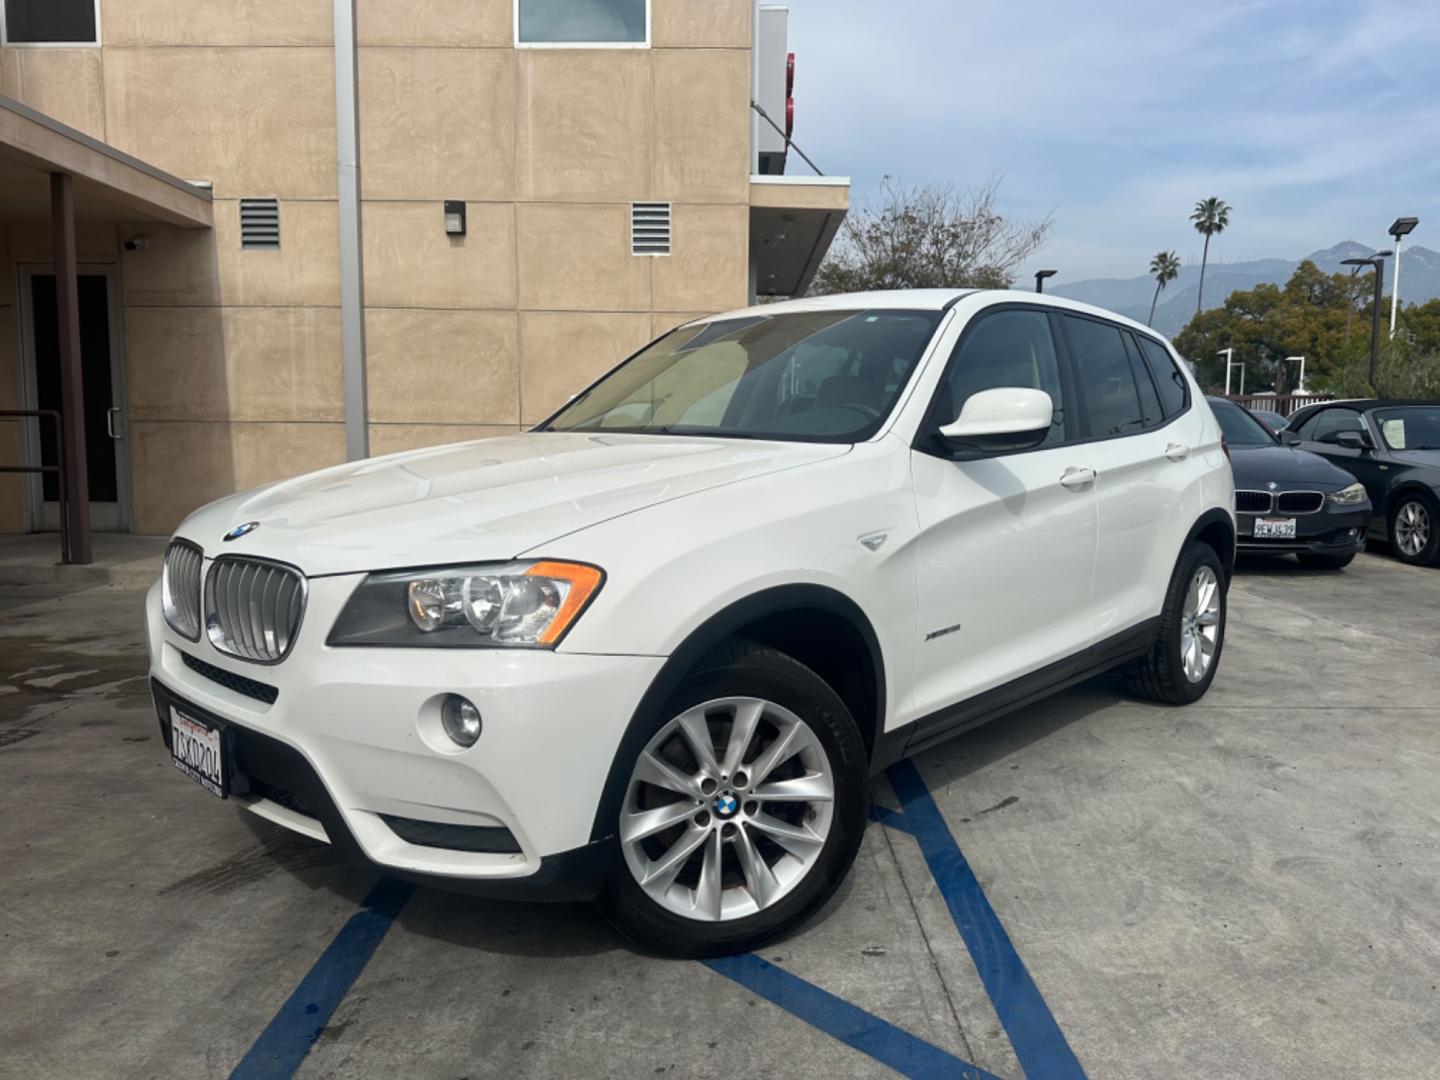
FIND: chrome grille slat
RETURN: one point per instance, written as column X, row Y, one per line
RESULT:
column 180, row 588
column 253, row 607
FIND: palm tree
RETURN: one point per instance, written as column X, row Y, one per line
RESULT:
column 1210, row 217
column 1166, row 268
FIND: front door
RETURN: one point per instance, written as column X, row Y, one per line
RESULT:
column 103, row 386
column 1007, row 544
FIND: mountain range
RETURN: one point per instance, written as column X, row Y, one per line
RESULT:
column 1419, row 281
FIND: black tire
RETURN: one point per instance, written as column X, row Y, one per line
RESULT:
column 1324, row 562
column 742, row 668
column 1160, row 674
column 1429, row 552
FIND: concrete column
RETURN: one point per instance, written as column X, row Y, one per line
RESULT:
column 72, row 385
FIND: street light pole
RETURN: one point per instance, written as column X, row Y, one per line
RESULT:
column 1040, row 276
column 1401, row 228
column 1229, row 355
column 1300, row 389
column 1376, row 263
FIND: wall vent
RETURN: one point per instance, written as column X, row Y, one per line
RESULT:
column 260, row 223
column 650, row 228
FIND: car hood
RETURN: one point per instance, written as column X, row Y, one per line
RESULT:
column 480, row 501
column 1256, row 466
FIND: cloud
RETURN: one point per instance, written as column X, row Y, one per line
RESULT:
column 1312, row 118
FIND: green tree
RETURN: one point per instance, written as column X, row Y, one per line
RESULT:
column 1211, row 216
column 929, row 237
column 1264, row 325
column 1166, row 268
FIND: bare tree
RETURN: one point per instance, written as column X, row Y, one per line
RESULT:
column 932, row 236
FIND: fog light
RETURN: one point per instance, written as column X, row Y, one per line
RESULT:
column 461, row 720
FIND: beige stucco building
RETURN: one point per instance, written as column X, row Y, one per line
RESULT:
column 224, row 355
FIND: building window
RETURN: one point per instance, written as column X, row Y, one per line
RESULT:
column 582, row 22
column 51, row 22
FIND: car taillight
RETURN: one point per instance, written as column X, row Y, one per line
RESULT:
column 1225, row 445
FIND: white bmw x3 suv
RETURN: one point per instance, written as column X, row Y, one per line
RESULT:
column 653, row 650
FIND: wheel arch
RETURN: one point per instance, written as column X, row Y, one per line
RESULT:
column 817, row 625
column 1217, row 528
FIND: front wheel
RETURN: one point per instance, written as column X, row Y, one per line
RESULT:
column 1182, row 663
column 1415, row 530
column 743, row 811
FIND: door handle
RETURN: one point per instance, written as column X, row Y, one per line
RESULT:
column 111, row 427
column 1077, row 478
column 1177, row 451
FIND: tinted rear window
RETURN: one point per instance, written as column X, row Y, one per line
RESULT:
column 1174, row 391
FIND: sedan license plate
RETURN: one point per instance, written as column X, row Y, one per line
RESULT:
column 1274, row 528
column 196, row 750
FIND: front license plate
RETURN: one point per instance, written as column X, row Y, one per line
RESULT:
column 1274, row 528
column 196, row 751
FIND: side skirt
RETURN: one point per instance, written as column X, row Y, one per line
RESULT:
column 963, row 716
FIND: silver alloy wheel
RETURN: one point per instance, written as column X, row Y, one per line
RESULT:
column 727, row 809
column 1412, row 528
column 1200, row 624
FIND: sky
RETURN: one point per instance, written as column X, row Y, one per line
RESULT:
column 1317, row 121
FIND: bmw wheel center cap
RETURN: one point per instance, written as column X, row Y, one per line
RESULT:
column 726, row 805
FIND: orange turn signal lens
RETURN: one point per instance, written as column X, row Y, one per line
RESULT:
column 584, row 582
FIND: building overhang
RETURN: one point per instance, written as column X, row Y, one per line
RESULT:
column 109, row 185
column 793, row 220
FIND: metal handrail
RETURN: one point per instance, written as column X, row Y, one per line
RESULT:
column 58, row 468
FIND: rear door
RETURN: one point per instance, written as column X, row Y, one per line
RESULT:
column 1007, row 543
column 1140, row 454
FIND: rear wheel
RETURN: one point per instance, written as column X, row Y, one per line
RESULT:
column 1415, row 529
column 1182, row 663
column 1324, row 562
column 743, row 811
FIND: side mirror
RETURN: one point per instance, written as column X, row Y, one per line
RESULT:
column 1354, row 440
column 1005, row 419
column 1288, row 437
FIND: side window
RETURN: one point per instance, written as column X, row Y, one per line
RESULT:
column 50, row 22
column 1110, row 402
column 1174, row 390
column 1005, row 348
column 1150, row 410
column 1327, row 427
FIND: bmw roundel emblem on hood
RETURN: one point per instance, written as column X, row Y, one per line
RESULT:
column 1271, row 485
column 240, row 530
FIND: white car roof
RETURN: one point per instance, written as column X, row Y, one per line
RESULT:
column 924, row 300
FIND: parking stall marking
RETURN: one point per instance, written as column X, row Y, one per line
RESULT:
column 1039, row 1044
column 287, row 1039
column 907, row 1054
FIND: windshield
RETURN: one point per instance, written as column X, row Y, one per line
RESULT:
column 816, row 376
column 1416, row 427
column 1240, row 428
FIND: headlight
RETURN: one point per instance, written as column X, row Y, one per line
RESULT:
column 519, row 604
column 1353, row 495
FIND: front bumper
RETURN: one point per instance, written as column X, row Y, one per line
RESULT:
column 1339, row 531
column 349, row 749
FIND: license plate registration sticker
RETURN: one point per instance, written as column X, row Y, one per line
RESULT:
column 1274, row 528
column 195, row 750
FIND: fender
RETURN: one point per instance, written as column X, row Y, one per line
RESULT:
column 1215, row 516
column 724, row 624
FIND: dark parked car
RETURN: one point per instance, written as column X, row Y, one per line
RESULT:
column 1288, row 501
column 1272, row 420
column 1393, row 448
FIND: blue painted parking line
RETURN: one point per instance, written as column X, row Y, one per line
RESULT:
column 905, row 1053
column 283, row 1044
column 1039, row 1044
